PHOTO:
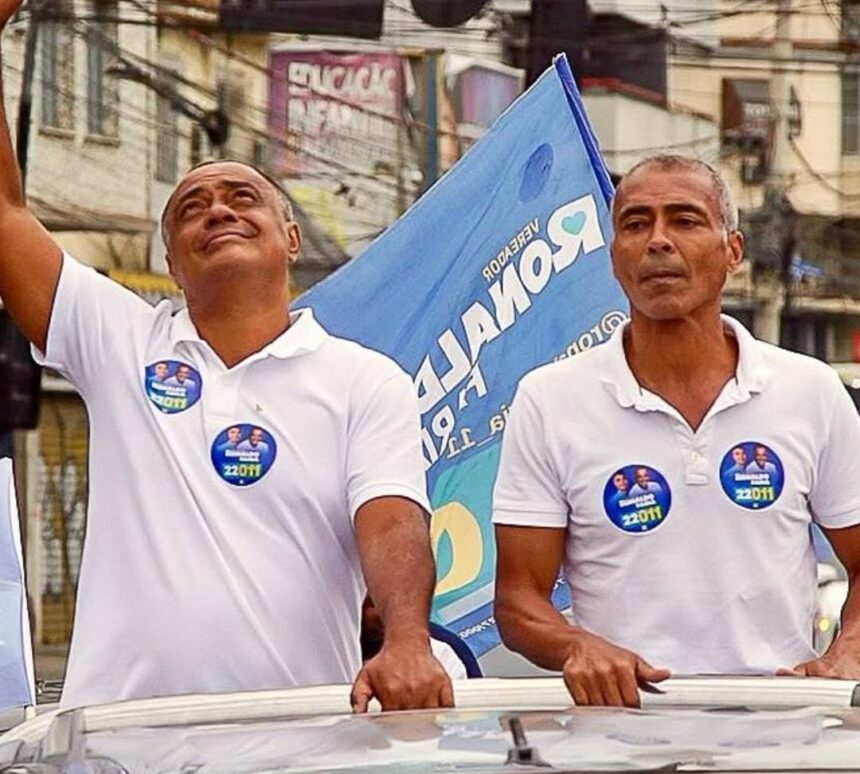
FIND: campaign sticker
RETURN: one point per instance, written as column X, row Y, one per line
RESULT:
column 637, row 498
column 172, row 386
column 243, row 454
column 752, row 475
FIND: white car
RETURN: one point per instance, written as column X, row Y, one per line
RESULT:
column 832, row 593
column 500, row 725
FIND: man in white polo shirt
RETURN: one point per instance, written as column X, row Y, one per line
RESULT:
column 711, row 570
column 250, row 571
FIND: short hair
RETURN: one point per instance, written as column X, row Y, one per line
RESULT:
column 672, row 161
column 280, row 191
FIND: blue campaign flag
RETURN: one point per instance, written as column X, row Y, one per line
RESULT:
column 16, row 654
column 502, row 266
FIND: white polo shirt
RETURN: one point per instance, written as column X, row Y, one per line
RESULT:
column 712, row 571
column 205, row 567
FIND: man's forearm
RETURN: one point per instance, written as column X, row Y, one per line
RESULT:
column 849, row 625
column 398, row 569
column 535, row 629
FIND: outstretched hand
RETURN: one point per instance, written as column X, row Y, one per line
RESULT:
column 8, row 9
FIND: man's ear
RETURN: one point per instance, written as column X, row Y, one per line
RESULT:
column 294, row 242
column 171, row 268
column 612, row 257
column 735, row 246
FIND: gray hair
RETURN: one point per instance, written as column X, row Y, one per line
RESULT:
column 280, row 191
column 672, row 161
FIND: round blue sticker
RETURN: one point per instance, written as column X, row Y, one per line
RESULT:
column 637, row 498
column 243, row 454
column 752, row 475
column 172, row 386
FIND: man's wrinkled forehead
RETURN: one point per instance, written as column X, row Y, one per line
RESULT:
column 679, row 185
column 227, row 174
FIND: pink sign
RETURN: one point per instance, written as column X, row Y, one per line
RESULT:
column 334, row 111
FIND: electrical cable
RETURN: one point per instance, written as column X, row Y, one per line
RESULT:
column 821, row 178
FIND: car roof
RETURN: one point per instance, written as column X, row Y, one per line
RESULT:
column 725, row 724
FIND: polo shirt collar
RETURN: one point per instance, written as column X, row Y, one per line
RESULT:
column 616, row 374
column 304, row 335
column 752, row 373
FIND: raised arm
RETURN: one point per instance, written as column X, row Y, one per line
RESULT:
column 595, row 670
column 30, row 260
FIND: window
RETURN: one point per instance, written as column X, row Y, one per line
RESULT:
column 196, row 146
column 167, row 145
column 261, row 153
column 851, row 19
column 850, row 113
column 58, row 69
column 102, row 91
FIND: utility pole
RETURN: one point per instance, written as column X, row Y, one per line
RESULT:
column 782, row 52
column 773, row 287
column 431, row 117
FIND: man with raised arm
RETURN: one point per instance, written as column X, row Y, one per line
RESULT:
column 254, row 574
column 705, row 566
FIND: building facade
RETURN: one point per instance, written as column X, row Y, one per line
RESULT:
column 89, row 180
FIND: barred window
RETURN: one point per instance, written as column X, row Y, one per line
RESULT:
column 58, row 69
column 102, row 90
column 851, row 19
column 850, row 112
column 167, row 142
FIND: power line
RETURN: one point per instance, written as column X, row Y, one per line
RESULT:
column 822, row 179
column 285, row 140
column 413, row 25
column 277, row 76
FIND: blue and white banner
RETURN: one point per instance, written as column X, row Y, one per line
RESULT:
column 17, row 685
column 502, row 266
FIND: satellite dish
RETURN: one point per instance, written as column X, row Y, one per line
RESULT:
column 447, row 13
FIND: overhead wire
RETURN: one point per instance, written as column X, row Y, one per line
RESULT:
column 683, row 17
column 276, row 76
column 267, row 71
column 621, row 37
column 129, row 113
column 334, row 165
column 711, row 139
column 818, row 176
column 285, row 140
column 270, row 73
